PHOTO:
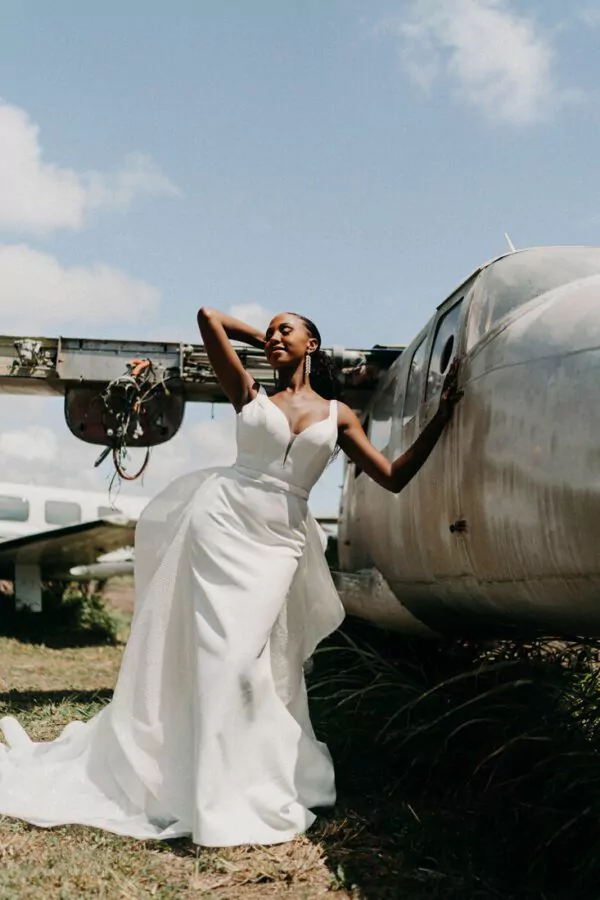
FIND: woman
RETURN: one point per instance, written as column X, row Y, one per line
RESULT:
column 208, row 733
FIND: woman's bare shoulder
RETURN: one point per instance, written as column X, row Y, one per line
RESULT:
column 346, row 415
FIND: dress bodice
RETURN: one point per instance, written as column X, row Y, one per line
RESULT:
column 265, row 442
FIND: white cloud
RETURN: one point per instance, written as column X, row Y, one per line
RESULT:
column 49, row 454
column 44, row 454
column 139, row 175
column 39, row 197
column 496, row 60
column 252, row 313
column 36, row 292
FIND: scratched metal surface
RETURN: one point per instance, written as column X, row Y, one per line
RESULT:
column 520, row 465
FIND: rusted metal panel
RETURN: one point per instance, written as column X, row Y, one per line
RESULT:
column 40, row 365
column 85, row 360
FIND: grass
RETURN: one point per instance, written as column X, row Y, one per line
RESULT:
column 48, row 687
column 474, row 768
column 464, row 771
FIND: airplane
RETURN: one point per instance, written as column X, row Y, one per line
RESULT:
column 497, row 533
column 44, row 531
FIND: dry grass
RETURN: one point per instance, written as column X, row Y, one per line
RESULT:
column 34, row 667
column 46, row 688
column 465, row 772
column 70, row 863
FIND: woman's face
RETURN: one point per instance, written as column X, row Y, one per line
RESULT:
column 287, row 341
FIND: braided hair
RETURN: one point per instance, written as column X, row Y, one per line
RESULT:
column 322, row 374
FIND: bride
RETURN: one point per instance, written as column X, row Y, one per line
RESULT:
column 208, row 733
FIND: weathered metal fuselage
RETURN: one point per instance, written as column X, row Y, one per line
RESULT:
column 500, row 530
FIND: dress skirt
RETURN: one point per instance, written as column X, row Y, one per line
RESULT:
column 208, row 733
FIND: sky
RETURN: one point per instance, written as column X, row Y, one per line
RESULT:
column 350, row 159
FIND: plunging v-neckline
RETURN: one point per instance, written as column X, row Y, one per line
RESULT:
column 295, row 434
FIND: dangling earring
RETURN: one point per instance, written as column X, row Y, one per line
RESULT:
column 307, row 365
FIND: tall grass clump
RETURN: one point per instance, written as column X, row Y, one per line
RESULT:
column 478, row 763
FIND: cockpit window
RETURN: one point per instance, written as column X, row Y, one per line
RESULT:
column 514, row 280
column 444, row 348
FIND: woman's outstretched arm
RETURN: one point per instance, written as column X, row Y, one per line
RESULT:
column 218, row 330
column 396, row 474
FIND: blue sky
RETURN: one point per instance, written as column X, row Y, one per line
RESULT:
column 353, row 160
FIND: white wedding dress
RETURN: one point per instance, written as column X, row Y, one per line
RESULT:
column 208, row 733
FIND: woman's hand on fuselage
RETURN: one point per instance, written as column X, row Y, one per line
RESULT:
column 450, row 394
column 218, row 330
column 395, row 474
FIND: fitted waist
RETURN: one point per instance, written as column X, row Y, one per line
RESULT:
column 278, row 483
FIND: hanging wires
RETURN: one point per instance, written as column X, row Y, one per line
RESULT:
column 126, row 415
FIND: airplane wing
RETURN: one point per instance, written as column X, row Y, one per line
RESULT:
column 56, row 551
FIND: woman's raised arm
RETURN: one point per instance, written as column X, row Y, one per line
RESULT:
column 395, row 475
column 218, row 330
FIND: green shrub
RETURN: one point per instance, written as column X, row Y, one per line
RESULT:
column 70, row 615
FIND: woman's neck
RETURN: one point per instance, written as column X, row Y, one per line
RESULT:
column 293, row 382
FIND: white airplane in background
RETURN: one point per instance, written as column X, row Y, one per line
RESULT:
column 50, row 533
column 62, row 534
